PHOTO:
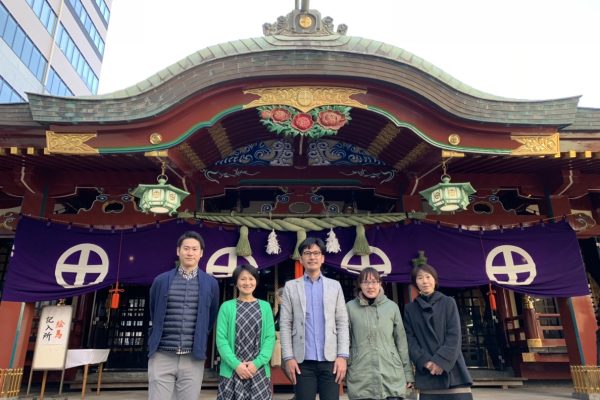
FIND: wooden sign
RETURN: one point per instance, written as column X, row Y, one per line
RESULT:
column 52, row 338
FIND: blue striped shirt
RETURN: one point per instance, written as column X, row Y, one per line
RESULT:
column 314, row 345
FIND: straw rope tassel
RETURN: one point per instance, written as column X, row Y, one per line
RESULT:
column 243, row 248
column 361, row 245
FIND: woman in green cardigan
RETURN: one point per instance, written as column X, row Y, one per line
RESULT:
column 245, row 340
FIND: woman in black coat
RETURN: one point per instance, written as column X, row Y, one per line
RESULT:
column 434, row 340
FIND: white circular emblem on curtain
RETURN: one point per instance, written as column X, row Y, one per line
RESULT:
column 226, row 270
column 510, row 265
column 81, row 260
column 377, row 259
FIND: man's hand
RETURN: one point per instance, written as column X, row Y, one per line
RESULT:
column 292, row 368
column 339, row 369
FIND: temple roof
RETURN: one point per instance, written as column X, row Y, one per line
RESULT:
column 292, row 56
column 302, row 45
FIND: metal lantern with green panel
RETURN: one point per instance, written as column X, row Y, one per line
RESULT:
column 448, row 196
column 160, row 198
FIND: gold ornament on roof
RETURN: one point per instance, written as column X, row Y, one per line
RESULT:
column 156, row 138
column 454, row 139
column 537, row 145
column 305, row 98
column 305, row 21
column 69, row 143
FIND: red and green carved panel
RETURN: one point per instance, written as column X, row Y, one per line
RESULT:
column 316, row 123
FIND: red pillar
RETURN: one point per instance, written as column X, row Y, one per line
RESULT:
column 15, row 317
column 576, row 313
column 579, row 328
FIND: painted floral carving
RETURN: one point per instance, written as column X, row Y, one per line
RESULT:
column 302, row 122
column 280, row 115
column 318, row 122
column 331, row 119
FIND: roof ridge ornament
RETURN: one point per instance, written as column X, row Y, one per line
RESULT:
column 303, row 21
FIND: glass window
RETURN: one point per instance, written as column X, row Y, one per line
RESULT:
column 9, row 32
column 4, row 93
column 52, row 22
column 56, row 86
column 104, row 11
column 22, row 46
column 45, row 14
column 37, row 6
column 27, row 50
column 70, row 48
column 37, row 65
column 8, row 94
column 79, row 63
column 3, row 19
column 18, row 42
column 89, row 27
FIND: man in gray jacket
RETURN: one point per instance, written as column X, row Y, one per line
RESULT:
column 314, row 328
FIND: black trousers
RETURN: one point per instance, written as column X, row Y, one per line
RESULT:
column 316, row 377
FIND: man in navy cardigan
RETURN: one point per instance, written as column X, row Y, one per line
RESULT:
column 183, row 308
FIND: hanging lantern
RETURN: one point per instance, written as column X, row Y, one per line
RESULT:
column 115, row 295
column 492, row 298
column 448, row 196
column 160, row 198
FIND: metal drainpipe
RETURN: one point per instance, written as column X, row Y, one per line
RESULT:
column 53, row 46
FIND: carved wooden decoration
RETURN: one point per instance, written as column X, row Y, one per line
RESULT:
column 69, row 143
column 305, row 98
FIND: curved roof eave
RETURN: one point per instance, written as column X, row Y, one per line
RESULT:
column 445, row 91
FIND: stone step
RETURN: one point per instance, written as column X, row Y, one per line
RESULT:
column 139, row 380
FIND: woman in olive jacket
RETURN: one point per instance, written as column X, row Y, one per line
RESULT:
column 434, row 341
column 379, row 366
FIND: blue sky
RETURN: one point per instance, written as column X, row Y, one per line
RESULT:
column 525, row 49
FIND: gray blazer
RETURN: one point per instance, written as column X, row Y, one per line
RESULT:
column 293, row 316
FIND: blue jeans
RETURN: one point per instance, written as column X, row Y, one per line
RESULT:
column 316, row 377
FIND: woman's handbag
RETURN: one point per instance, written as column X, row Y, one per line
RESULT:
column 276, row 357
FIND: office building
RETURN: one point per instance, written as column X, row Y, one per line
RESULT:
column 51, row 46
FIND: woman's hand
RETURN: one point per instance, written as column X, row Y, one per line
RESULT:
column 243, row 371
column 251, row 367
column 410, row 385
column 433, row 368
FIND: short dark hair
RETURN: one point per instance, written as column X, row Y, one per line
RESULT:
column 191, row 235
column 365, row 273
column 245, row 267
column 309, row 242
column 425, row 268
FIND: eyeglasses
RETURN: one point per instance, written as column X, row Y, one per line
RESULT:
column 311, row 253
column 369, row 283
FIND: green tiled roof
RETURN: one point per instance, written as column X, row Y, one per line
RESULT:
column 586, row 119
column 291, row 56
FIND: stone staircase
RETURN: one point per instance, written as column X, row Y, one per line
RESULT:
column 492, row 378
column 129, row 380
